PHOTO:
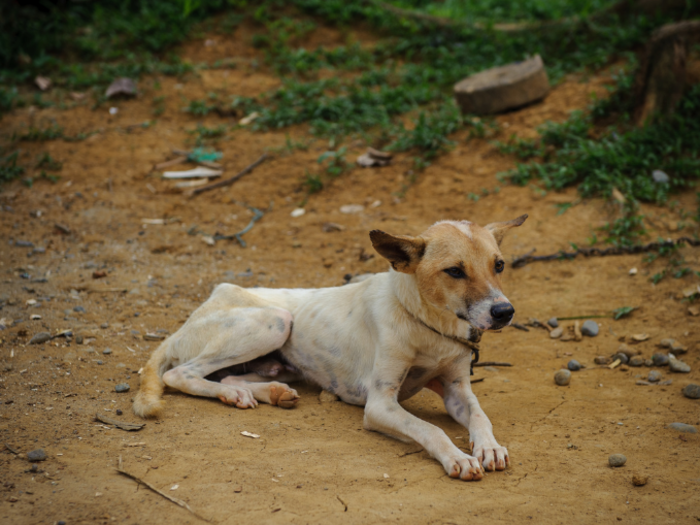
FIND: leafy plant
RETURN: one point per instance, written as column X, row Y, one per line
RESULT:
column 8, row 167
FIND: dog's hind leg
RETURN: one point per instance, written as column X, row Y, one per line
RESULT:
column 233, row 337
column 272, row 392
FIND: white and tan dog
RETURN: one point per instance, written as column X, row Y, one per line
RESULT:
column 374, row 343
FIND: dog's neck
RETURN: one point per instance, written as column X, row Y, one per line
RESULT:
column 443, row 322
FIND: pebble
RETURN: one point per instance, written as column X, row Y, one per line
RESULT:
column 99, row 362
column 573, row 365
column 602, row 360
column 691, row 391
column 654, row 376
column 104, row 325
column 639, row 480
column 37, row 455
column 79, row 309
column 119, row 412
column 660, row 177
column 625, row 349
column 562, row 377
column 673, row 345
column 79, row 339
column 352, row 208
column 107, row 351
column 40, row 338
column 122, row 387
column 678, row 366
column 648, row 362
column 660, row 359
column 637, row 360
column 556, row 333
column 617, row 460
column 24, row 244
column 590, row 328
column 297, row 212
column 622, row 357
column 682, row 427
column 633, row 272
column 553, row 322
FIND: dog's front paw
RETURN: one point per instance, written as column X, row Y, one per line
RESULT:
column 464, row 467
column 491, row 455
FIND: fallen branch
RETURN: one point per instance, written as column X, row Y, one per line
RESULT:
column 8, row 447
column 528, row 258
column 491, row 363
column 158, row 491
column 228, row 182
column 119, row 424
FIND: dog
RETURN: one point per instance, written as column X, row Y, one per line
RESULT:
column 374, row 343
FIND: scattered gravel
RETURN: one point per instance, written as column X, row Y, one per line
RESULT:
column 691, row 391
column 562, row 377
column 617, row 460
column 590, row 328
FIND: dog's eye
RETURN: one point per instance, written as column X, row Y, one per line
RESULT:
column 499, row 266
column 455, row 272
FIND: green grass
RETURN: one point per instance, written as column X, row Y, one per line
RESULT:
column 9, row 169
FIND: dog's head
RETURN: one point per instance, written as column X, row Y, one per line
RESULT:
column 457, row 266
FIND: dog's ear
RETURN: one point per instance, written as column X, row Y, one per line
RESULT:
column 403, row 252
column 499, row 229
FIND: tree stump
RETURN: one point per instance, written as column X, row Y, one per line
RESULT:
column 661, row 79
column 502, row 88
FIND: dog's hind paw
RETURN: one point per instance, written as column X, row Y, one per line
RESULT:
column 283, row 396
column 239, row 397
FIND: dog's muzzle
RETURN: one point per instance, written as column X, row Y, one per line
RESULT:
column 502, row 314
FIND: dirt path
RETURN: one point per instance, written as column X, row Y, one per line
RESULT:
column 315, row 464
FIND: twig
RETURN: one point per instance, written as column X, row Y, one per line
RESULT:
column 576, row 317
column 158, row 491
column 479, row 380
column 8, row 447
column 228, row 182
column 410, row 453
column 119, row 424
column 491, row 363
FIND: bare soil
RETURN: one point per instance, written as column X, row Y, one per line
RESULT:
column 315, row 463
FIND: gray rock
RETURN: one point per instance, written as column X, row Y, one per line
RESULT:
column 654, row 376
column 691, row 391
column 637, row 360
column 556, row 333
column 602, row 360
column 79, row 339
column 104, row 325
column 622, row 357
column 553, row 322
column 99, row 362
column 79, row 309
column 40, row 338
column 122, row 387
column 617, row 460
column 660, row 359
column 24, row 244
column 648, row 362
column 37, row 455
column 562, row 377
column 678, row 366
column 590, row 328
column 573, row 365
column 660, row 177
column 666, row 383
column 107, row 351
column 682, row 427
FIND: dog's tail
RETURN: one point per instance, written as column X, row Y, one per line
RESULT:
column 148, row 401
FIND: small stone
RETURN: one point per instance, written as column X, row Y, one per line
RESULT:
column 682, row 427
column 79, row 339
column 590, row 328
column 643, row 383
column 654, row 376
column 602, row 360
column 622, row 357
column 122, row 387
column 352, row 208
column 562, row 377
column 667, row 343
column 297, row 212
column 637, row 360
column 691, row 391
column 625, row 349
column 666, row 383
column 119, row 412
column 660, row 359
column 678, row 366
column 553, row 322
column 573, row 365
column 107, row 351
column 640, row 337
column 37, row 455
column 40, row 338
column 556, row 333
column 648, row 363
column 660, row 177
column 24, row 244
column 121, row 86
column 104, row 325
column 617, row 460
column 79, row 309
column 327, row 397
column 639, row 480
column 633, row 272
column 623, row 368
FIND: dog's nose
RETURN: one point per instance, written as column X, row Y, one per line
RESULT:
column 502, row 312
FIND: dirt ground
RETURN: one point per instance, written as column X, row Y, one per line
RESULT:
column 315, row 463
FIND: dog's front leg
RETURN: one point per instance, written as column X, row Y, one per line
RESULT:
column 462, row 405
column 384, row 414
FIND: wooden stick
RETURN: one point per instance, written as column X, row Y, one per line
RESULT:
column 491, row 363
column 230, row 181
column 158, row 491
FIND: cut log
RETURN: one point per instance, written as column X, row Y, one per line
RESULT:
column 661, row 79
column 503, row 88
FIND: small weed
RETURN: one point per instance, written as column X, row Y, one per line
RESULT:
column 47, row 162
column 313, row 183
column 625, row 231
column 623, row 311
column 52, row 132
column 9, row 169
column 158, row 105
column 335, row 163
